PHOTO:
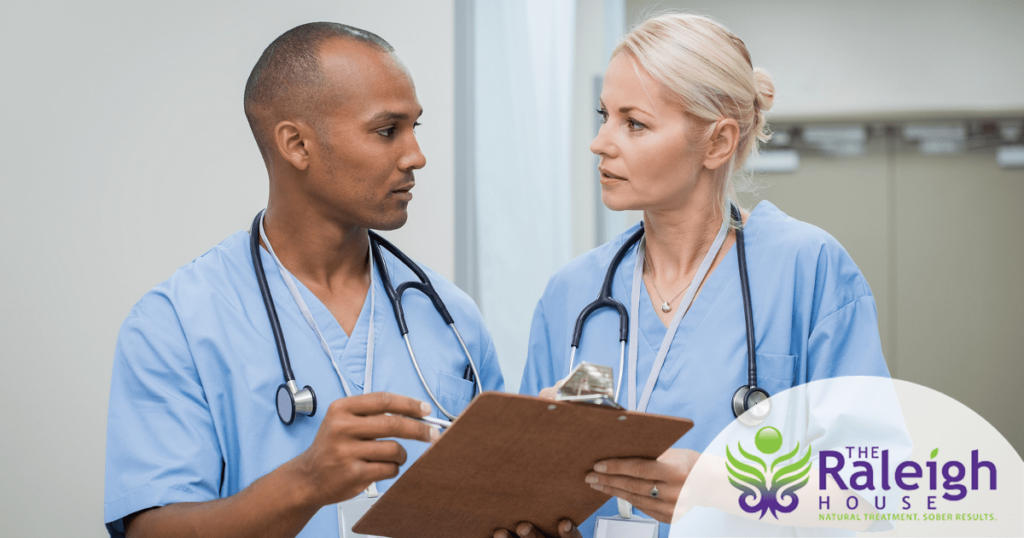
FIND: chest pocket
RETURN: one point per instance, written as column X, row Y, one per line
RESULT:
column 454, row 393
column 776, row 373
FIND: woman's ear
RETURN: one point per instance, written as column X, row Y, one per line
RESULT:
column 722, row 145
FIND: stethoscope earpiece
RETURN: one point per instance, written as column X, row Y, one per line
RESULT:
column 751, row 405
column 291, row 401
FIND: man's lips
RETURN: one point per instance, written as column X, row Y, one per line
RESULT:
column 404, row 192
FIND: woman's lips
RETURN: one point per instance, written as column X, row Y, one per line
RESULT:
column 608, row 178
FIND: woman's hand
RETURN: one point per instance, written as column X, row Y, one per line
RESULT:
column 549, row 393
column 566, row 529
column 633, row 480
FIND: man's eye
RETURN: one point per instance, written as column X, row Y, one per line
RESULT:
column 387, row 133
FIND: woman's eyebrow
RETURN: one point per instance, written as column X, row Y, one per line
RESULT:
column 628, row 109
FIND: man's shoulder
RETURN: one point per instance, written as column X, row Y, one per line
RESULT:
column 209, row 277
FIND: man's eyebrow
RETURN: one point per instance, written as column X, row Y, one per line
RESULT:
column 388, row 115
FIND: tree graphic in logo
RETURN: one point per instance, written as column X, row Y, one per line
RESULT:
column 759, row 494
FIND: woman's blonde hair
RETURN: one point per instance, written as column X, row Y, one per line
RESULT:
column 707, row 69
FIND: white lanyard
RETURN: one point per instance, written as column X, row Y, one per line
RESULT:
column 368, row 379
column 634, row 318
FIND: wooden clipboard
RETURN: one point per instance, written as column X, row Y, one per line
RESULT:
column 512, row 458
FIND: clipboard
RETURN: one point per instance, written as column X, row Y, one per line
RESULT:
column 511, row 458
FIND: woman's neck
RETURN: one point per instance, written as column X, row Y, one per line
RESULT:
column 677, row 240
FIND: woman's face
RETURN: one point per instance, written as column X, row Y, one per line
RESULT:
column 650, row 157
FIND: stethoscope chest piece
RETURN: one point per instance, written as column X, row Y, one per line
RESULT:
column 751, row 405
column 291, row 401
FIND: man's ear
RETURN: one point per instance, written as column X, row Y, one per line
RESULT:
column 722, row 144
column 292, row 142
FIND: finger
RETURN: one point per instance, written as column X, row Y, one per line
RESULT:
column 501, row 533
column 527, row 530
column 657, row 508
column 638, row 467
column 567, row 530
column 549, row 393
column 382, row 451
column 377, row 403
column 373, row 471
column 631, row 484
column 380, row 426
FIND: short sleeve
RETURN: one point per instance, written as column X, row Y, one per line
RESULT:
column 491, row 368
column 162, row 447
column 539, row 372
column 846, row 343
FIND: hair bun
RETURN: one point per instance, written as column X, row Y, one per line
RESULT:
column 765, row 89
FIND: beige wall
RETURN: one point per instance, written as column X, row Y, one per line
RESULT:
column 938, row 238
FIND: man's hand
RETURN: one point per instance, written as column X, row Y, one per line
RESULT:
column 345, row 457
column 566, row 529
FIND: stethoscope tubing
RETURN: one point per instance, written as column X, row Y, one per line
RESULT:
column 748, row 311
column 268, row 299
column 394, row 297
column 605, row 300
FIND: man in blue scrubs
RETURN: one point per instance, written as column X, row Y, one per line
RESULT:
column 194, row 443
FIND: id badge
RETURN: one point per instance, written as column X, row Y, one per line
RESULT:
column 620, row 527
column 349, row 513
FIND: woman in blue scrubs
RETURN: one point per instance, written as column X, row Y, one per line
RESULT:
column 683, row 108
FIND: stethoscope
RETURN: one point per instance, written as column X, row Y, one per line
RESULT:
column 747, row 397
column 291, row 400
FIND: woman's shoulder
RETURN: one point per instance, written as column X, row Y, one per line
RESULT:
column 587, row 271
column 775, row 228
column 796, row 247
column 776, row 232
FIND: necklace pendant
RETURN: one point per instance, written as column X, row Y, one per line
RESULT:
column 665, row 307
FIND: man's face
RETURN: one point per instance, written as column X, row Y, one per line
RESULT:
column 362, row 173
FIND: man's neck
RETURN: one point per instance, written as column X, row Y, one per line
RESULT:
column 321, row 252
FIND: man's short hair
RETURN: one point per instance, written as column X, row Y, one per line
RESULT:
column 288, row 79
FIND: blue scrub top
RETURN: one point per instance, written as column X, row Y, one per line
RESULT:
column 192, row 400
column 814, row 318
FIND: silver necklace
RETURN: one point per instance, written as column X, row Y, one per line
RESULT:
column 666, row 306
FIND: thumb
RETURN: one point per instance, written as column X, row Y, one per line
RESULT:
column 567, row 530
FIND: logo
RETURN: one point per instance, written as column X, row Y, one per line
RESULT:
column 764, row 486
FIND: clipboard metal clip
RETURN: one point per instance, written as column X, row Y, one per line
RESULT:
column 588, row 383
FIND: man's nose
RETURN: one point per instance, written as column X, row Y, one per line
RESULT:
column 414, row 158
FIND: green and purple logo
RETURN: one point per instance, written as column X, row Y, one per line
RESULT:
column 762, row 487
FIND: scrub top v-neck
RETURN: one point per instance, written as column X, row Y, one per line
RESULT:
column 814, row 317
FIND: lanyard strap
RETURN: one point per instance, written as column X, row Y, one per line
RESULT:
column 294, row 290
column 634, row 318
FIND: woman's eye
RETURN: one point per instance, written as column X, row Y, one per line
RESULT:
column 387, row 133
column 635, row 125
column 604, row 115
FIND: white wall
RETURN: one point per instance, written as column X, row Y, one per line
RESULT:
column 523, row 95
column 836, row 58
column 125, row 154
